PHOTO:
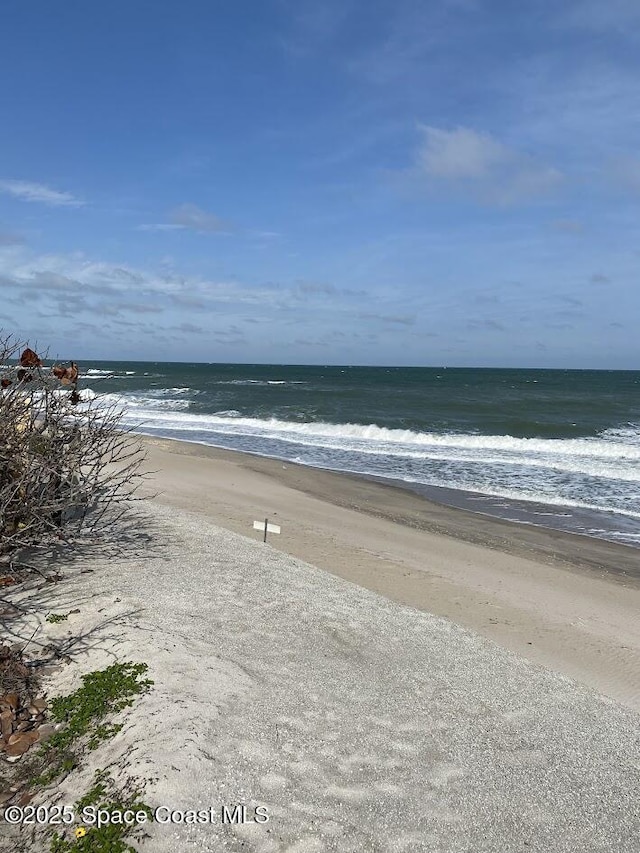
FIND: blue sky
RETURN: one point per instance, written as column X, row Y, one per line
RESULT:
column 451, row 182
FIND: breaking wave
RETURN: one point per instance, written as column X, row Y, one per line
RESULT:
column 600, row 472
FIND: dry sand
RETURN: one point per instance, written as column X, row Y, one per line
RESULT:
column 359, row 724
column 568, row 602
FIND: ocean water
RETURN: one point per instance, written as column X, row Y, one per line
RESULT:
column 559, row 448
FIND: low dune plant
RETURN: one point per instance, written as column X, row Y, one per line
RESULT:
column 82, row 714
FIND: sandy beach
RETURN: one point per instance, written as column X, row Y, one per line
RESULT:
column 314, row 679
column 354, row 722
column 568, row 602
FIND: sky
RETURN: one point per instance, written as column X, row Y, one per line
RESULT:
column 439, row 182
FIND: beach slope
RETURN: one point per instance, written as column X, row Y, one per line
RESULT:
column 356, row 722
column 565, row 601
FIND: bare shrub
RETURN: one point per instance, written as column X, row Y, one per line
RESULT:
column 66, row 463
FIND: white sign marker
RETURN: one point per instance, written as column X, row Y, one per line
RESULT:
column 266, row 527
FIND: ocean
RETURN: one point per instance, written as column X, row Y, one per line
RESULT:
column 557, row 448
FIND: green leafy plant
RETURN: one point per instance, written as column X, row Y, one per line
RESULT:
column 111, row 837
column 103, row 692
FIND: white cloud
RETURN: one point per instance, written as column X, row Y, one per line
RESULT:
column 76, row 275
column 27, row 191
column 477, row 162
column 460, row 153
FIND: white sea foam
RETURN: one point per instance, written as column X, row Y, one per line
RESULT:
column 97, row 373
column 375, row 439
column 595, row 473
column 147, row 406
column 163, row 392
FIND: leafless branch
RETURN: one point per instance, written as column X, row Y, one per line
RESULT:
column 66, row 463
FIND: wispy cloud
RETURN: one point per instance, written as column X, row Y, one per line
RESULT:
column 460, row 154
column 75, row 275
column 188, row 301
column 141, row 307
column 39, row 193
column 486, row 324
column 159, row 226
column 398, row 319
column 193, row 217
column 188, row 328
column 7, row 238
column 332, row 338
column 621, row 16
column 581, row 105
column 313, row 25
column 304, row 289
column 478, row 163
column 265, row 235
column 309, row 288
column 414, row 33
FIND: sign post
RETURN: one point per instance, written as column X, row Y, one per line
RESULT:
column 266, row 527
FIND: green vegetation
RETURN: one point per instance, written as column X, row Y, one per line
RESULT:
column 103, row 692
column 110, row 837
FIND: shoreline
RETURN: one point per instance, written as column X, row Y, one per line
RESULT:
column 411, row 505
column 611, row 526
column 565, row 601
